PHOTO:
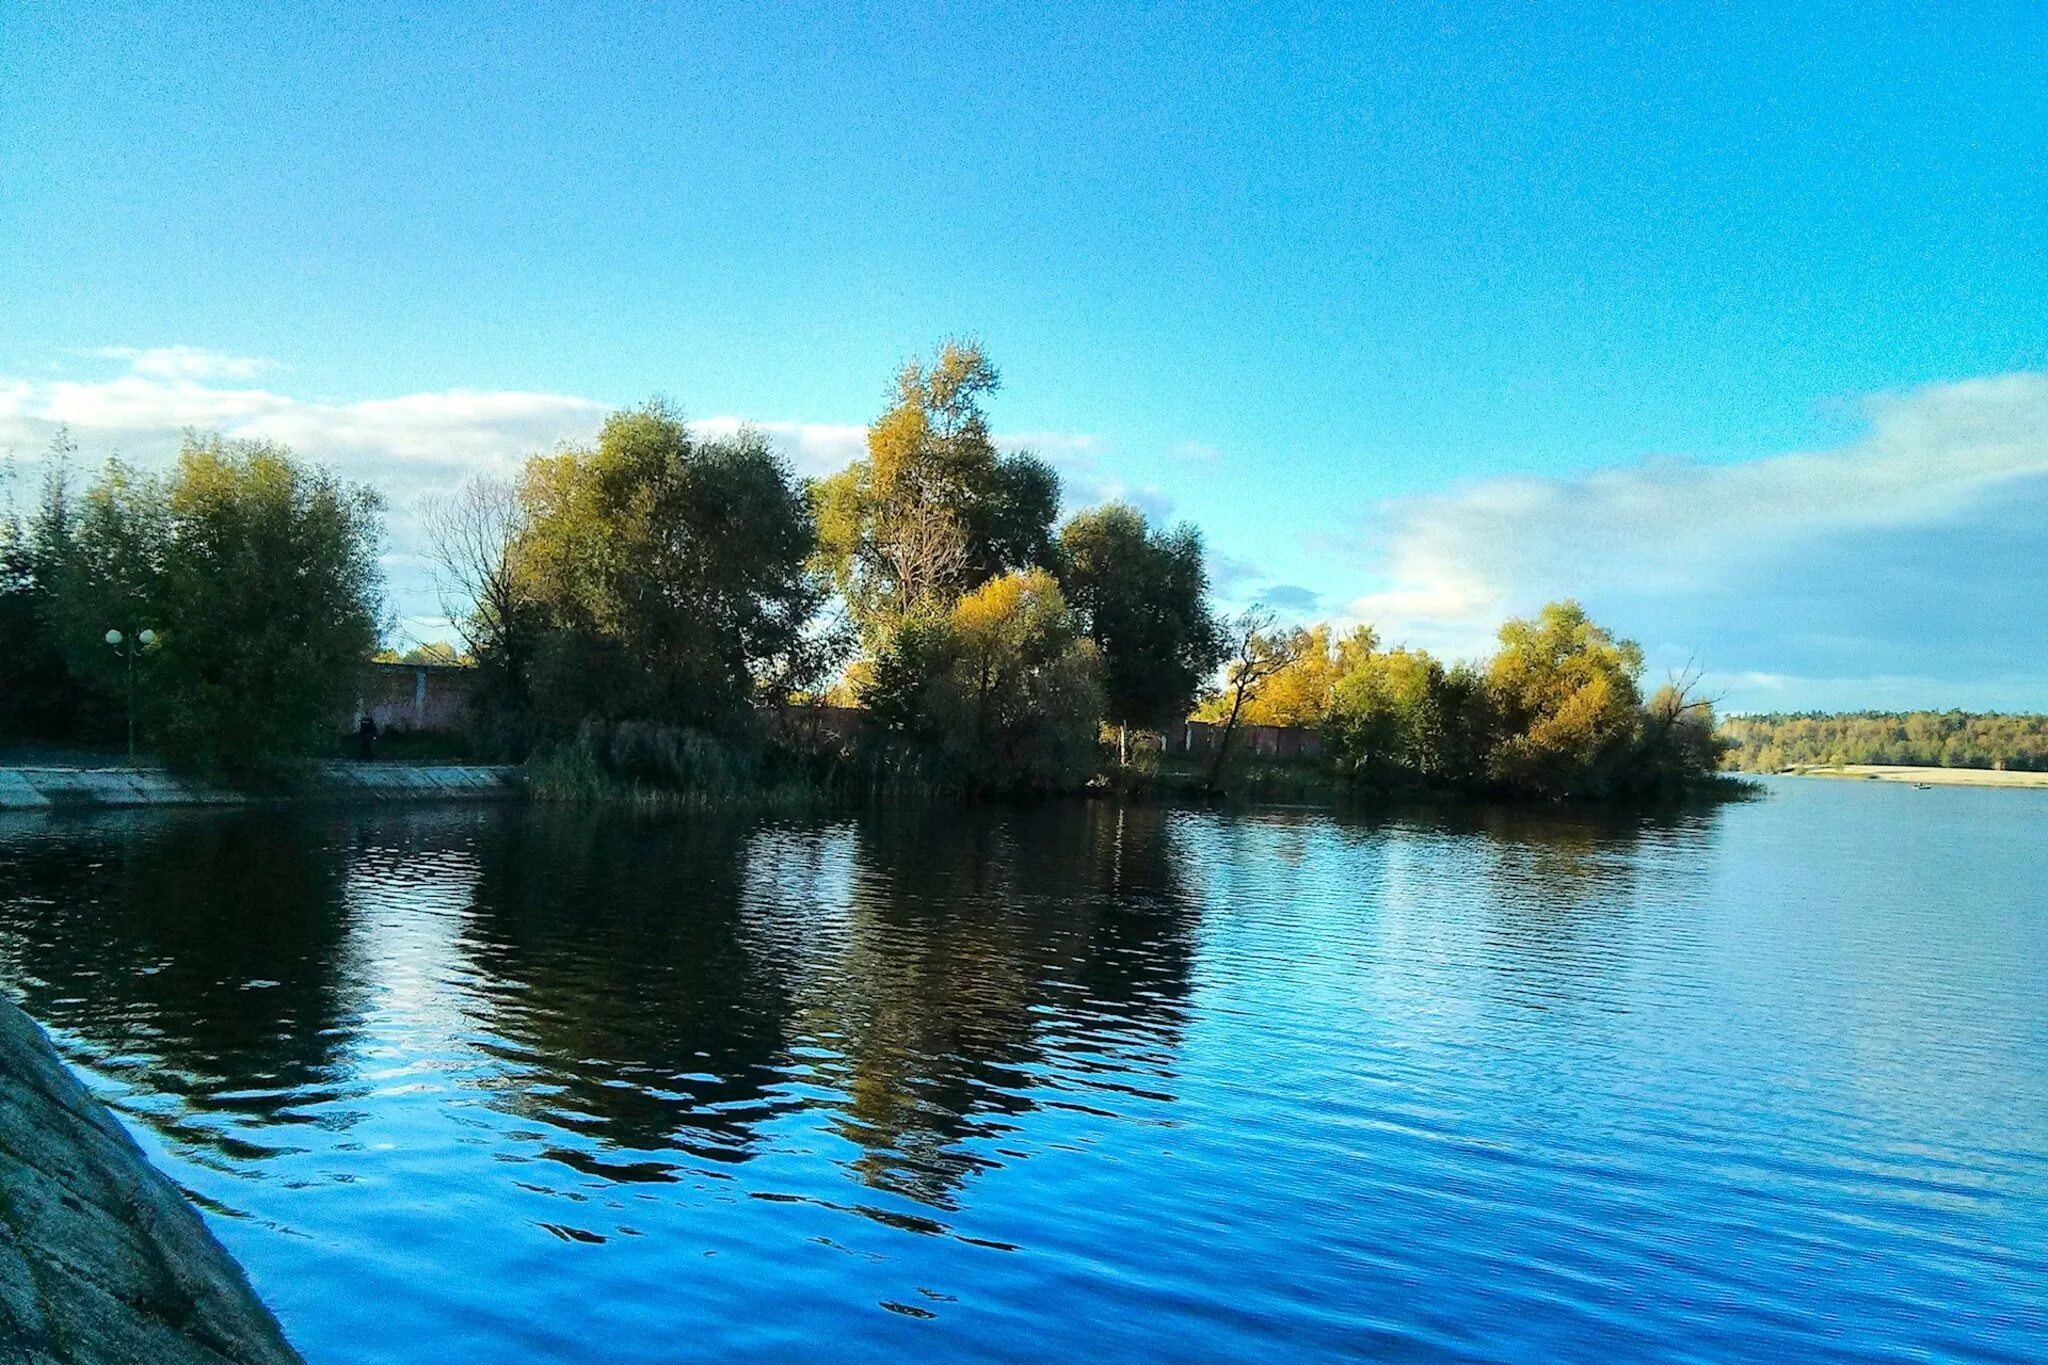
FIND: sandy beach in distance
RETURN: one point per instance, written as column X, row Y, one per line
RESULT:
column 1933, row 777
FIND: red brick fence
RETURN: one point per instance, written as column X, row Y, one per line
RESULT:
column 414, row 697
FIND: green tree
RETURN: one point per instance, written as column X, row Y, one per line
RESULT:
column 1004, row 685
column 39, row 697
column 1680, row 743
column 1143, row 595
column 1770, row 742
column 670, row 575
column 112, row 575
column 258, row 574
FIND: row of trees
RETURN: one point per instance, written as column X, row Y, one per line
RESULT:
column 1936, row 739
column 243, row 585
column 1557, row 711
column 655, row 577
column 654, row 593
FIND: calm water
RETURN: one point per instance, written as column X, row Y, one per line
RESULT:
column 491, row 1084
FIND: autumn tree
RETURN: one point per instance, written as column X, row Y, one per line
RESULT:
column 1259, row 653
column 1300, row 693
column 1004, row 686
column 1679, row 740
column 1565, row 694
column 934, row 510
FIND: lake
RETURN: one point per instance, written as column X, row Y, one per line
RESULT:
column 478, row 1084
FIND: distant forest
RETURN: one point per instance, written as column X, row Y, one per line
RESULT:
column 1935, row 739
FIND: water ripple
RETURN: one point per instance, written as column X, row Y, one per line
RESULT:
column 1093, row 1082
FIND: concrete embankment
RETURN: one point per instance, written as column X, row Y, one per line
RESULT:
column 101, row 1259
column 91, row 788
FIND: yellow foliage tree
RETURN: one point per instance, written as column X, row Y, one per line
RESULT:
column 1301, row 691
column 1565, row 692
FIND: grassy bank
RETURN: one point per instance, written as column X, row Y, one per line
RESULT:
column 1248, row 779
column 651, row 767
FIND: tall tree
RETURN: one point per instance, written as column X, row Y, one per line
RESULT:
column 934, row 510
column 1565, row 692
column 38, row 695
column 1143, row 594
column 672, row 574
column 259, row 577
column 474, row 531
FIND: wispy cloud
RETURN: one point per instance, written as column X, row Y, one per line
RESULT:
column 425, row 439
column 185, row 362
column 1085, row 480
column 1451, row 565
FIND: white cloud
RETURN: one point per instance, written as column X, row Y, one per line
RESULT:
column 814, row 448
column 185, row 362
column 1453, row 564
column 407, row 446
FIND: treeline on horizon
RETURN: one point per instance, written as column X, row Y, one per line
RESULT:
column 652, row 612
column 1935, row 739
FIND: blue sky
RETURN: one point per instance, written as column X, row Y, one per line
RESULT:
column 1734, row 322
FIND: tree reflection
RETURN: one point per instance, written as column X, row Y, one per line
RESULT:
column 616, row 974
column 1559, row 891
column 995, row 964
column 642, row 995
column 201, row 948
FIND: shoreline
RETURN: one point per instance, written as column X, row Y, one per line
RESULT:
column 103, row 1258
column 1933, row 777
column 58, row 789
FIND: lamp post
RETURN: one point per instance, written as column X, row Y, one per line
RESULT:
column 145, row 638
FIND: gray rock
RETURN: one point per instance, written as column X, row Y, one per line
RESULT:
column 101, row 1259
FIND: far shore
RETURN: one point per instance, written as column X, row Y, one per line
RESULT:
column 1933, row 777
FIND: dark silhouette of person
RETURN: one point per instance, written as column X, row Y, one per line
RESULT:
column 366, row 737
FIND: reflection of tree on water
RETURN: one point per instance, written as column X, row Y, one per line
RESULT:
column 995, row 964
column 197, row 954
column 1557, row 891
column 614, row 965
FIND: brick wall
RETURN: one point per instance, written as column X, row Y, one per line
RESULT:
column 1279, row 742
column 414, row 696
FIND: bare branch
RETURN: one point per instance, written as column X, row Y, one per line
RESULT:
column 473, row 531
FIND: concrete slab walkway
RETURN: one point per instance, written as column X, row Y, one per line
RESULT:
column 93, row 788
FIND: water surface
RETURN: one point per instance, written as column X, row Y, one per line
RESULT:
column 487, row 1084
